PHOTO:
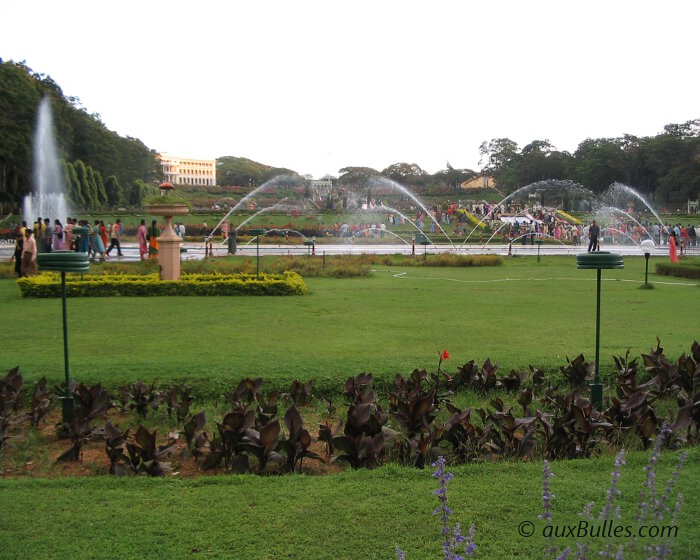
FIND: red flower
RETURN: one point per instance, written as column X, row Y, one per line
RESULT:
column 445, row 355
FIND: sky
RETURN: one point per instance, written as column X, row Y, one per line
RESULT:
column 315, row 86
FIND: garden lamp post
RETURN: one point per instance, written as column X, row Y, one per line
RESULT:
column 423, row 240
column 257, row 233
column 65, row 261
column 647, row 246
column 598, row 260
column 309, row 243
column 539, row 244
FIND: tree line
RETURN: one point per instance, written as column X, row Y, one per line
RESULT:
column 103, row 169
column 665, row 167
column 89, row 151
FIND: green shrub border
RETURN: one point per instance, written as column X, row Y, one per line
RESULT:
column 48, row 285
column 683, row 270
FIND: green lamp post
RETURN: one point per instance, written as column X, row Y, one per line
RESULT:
column 308, row 244
column 257, row 233
column 422, row 239
column 539, row 244
column 647, row 246
column 598, row 260
column 65, row 261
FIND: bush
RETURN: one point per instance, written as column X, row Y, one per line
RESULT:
column 48, row 285
column 686, row 269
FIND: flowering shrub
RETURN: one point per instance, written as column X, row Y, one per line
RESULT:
column 452, row 538
column 650, row 509
column 473, row 220
column 569, row 218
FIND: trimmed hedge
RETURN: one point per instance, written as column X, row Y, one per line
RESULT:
column 48, row 285
column 689, row 269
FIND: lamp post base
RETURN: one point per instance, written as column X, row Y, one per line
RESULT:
column 68, row 409
column 597, row 396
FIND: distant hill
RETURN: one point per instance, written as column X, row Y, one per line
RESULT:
column 240, row 171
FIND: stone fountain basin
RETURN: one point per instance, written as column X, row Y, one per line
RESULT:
column 168, row 209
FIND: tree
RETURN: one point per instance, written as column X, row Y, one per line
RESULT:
column 73, row 185
column 599, row 163
column 97, row 186
column 86, row 191
column 114, row 191
column 499, row 158
column 403, row 172
column 19, row 100
column 80, row 136
column 540, row 160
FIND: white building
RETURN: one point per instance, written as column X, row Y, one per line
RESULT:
column 188, row 171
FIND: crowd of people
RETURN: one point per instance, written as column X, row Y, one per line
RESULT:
column 97, row 240
column 511, row 223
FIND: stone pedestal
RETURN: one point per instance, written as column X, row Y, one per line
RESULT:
column 168, row 242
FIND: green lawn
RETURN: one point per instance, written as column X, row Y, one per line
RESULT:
column 391, row 322
column 519, row 314
column 352, row 515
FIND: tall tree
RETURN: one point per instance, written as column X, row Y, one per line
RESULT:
column 114, row 191
column 599, row 163
column 499, row 157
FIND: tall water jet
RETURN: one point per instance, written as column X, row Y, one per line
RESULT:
column 48, row 198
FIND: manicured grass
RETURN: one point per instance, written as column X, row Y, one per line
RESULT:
column 352, row 515
column 522, row 313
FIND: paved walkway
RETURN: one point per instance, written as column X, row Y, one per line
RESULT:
column 196, row 250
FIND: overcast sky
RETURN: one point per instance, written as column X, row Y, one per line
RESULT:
column 318, row 85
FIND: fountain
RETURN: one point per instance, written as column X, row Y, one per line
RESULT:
column 48, row 199
column 608, row 208
column 169, row 242
column 378, row 195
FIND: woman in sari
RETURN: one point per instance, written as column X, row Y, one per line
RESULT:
column 68, row 234
column 672, row 247
column 153, row 233
column 83, row 240
column 98, row 245
column 143, row 240
column 58, row 235
column 103, row 233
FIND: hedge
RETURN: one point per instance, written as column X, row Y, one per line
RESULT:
column 48, row 285
column 689, row 269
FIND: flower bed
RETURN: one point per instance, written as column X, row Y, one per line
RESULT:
column 49, row 285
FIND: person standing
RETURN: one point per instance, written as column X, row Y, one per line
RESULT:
column 83, row 241
column 114, row 238
column 97, row 242
column 58, row 235
column 38, row 230
column 29, row 251
column 232, row 241
column 593, row 233
column 19, row 242
column 153, row 233
column 68, row 235
column 672, row 252
column 142, row 234
column 103, row 233
column 48, row 236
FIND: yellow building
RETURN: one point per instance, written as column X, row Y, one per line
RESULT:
column 479, row 182
column 188, row 171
